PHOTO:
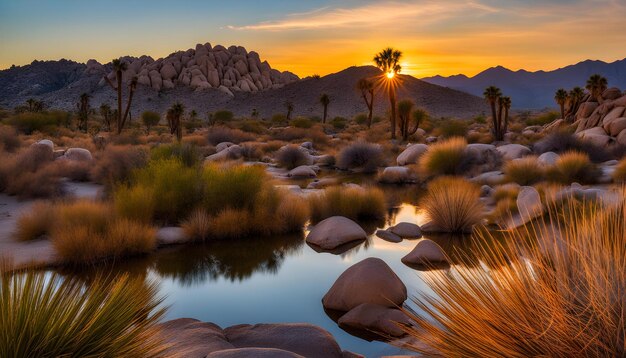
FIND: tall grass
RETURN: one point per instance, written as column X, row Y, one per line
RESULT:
column 453, row 204
column 524, row 171
column 236, row 187
column 47, row 316
column 561, row 295
column 445, row 158
column 36, row 222
column 573, row 167
column 353, row 203
column 619, row 175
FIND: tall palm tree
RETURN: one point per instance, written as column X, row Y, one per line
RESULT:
column 505, row 103
column 325, row 101
column 366, row 87
column 560, row 96
column 388, row 61
column 174, row 116
column 596, row 84
column 289, row 107
column 576, row 96
column 492, row 95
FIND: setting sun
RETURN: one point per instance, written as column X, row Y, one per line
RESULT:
column 390, row 74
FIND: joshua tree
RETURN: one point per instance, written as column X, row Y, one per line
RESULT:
column 366, row 87
column 388, row 60
column 150, row 119
column 505, row 106
column 289, row 107
column 560, row 96
column 107, row 115
column 174, row 116
column 325, row 101
column 596, row 84
column 83, row 111
column 492, row 95
column 119, row 67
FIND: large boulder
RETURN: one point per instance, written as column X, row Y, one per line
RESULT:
column 335, row 231
column 586, row 109
column 374, row 318
column 406, row 230
column 388, row 236
column 616, row 126
column 513, row 151
column 397, row 175
column 483, row 157
column 489, row 178
column 411, row 154
column 368, row 281
column 425, row 253
column 253, row 352
column 78, row 154
column 611, row 93
column 529, row 204
column 615, row 113
column 48, row 143
column 190, row 338
column 304, row 339
column 229, row 153
column 548, row 158
column 595, row 135
column 223, row 145
column 621, row 138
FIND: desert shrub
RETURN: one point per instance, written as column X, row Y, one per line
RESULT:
column 47, row 122
column 292, row 156
column 543, row 118
column 563, row 141
column 135, row 202
column 360, row 119
column 453, row 204
column 506, row 191
column 36, row 222
column 291, row 214
column 278, row 119
column 363, row 156
column 197, row 225
column 150, row 119
column 524, row 171
column 116, row 163
column 573, row 167
column 85, row 232
column 301, row 122
column 222, row 116
column 236, row 187
column 187, row 153
column 9, row 139
column 353, row 203
column 74, row 170
column 619, row 175
column 217, row 135
column 289, row 134
column 230, row 224
column 338, row 122
column 251, row 152
column 252, row 126
column 541, row 292
column 49, row 315
column 128, row 137
column 447, row 157
column 30, row 173
column 449, row 128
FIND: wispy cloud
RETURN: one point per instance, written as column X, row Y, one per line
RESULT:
column 371, row 14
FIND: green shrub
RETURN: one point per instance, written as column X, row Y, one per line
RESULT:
column 150, row 119
column 252, row 126
column 448, row 128
column 360, row 119
column 187, row 153
column 116, row 164
column 49, row 315
column 353, row 203
column 234, row 187
column 543, row 118
column 301, row 122
column 223, row 116
column 29, row 122
column 338, row 122
column 279, row 119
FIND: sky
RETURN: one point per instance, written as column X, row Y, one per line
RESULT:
column 443, row 37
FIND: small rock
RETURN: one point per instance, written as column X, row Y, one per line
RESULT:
column 335, row 231
column 425, row 253
column 171, row 235
column 406, row 230
column 388, row 236
column 303, row 171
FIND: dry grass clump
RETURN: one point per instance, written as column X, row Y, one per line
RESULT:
column 86, row 232
column 187, row 153
column 619, row 175
column 292, row 156
column 135, row 202
column 453, row 204
column 562, row 141
column 559, row 295
column 29, row 173
column 46, row 315
column 36, row 222
column 573, row 167
column 354, row 203
column 116, row 163
column 217, row 135
column 524, row 171
column 197, row 225
column 447, row 157
column 9, row 139
column 361, row 156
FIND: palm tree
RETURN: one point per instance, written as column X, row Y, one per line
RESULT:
column 505, row 104
column 492, row 95
column 388, row 61
column 325, row 101
column 560, row 96
column 289, row 107
column 366, row 87
column 596, row 84
column 576, row 96
column 119, row 67
column 174, row 115
column 83, row 111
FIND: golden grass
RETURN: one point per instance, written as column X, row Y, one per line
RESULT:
column 573, row 167
column 524, row 171
column 354, row 203
column 135, row 202
column 444, row 158
column 619, row 175
column 558, row 295
column 453, row 204
column 197, row 225
column 45, row 315
column 38, row 221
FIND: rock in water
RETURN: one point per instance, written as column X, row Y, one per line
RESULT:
column 374, row 318
column 426, row 253
column 368, row 281
column 335, row 231
column 406, row 230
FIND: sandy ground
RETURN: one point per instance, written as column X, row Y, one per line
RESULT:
column 37, row 252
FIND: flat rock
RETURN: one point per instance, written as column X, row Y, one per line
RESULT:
column 388, row 236
column 406, row 230
column 376, row 319
column 190, row 338
column 335, row 231
column 368, row 281
column 304, row 339
column 426, row 253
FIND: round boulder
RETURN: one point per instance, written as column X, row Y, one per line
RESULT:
column 388, row 236
column 425, row 253
column 406, row 230
column 335, row 231
column 548, row 158
column 374, row 318
column 397, row 175
column 303, row 171
column 78, row 154
column 411, row 154
column 513, row 151
column 253, row 352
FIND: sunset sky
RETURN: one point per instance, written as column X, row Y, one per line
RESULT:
column 319, row 37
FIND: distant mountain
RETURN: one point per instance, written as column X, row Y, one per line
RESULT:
column 535, row 90
column 238, row 82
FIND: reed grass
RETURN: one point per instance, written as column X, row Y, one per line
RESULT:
column 354, row 203
column 453, row 204
column 447, row 157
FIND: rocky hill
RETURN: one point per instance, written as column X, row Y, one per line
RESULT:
column 535, row 90
column 209, row 78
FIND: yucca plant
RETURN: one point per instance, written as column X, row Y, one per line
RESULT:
column 45, row 315
column 538, row 293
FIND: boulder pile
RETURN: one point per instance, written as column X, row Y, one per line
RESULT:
column 229, row 70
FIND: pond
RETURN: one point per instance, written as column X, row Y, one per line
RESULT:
column 276, row 279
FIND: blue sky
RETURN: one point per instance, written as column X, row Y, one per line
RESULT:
column 436, row 36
